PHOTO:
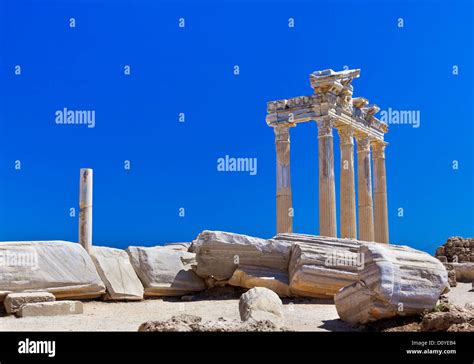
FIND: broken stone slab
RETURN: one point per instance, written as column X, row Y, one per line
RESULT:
column 320, row 265
column 396, row 281
column 59, row 267
column 261, row 304
column 55, row 308
column 117, row 273
column 14, row 301
column 448, row 316
column 165, row 272
column 219, row 253
column 249, row 276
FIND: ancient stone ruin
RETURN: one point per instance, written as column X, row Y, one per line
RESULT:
column 332, row 106
column 368, row 281
column 457, row 254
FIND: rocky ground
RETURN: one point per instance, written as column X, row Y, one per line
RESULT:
column 220, row 307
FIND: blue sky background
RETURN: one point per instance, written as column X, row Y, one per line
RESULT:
column 190, row 70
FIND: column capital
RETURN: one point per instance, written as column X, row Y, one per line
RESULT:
column 282, row 131
column 378, row 149
column 363, row 142
column 325, row 127
column 346, row 134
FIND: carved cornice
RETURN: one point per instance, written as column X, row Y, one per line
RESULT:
column 332, row 97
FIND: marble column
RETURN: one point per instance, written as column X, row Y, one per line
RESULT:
column 284, row 208
column 327, row 189
column 85, row 209
column 347, row 207
column 364, row 189
column 380, row 192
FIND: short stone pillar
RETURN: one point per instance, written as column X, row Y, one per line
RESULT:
column 85, row 205
column 284, row 208
column 380, row 192
column 327, row 189
column 364, row 189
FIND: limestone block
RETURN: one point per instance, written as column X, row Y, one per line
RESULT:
column 396, row 280
column 117, row 273
column 320, row 266
column 59, row 267
column 260, row 304
column 249, row 276
column 56, row 308
column 464, row 271
column 165, row 272
column 219, row 253
column 14, row 301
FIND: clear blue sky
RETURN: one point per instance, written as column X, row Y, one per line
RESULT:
column 190, row 70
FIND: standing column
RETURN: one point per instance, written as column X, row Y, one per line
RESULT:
column 380, row 192
column 327, row 189
column 364, row 189
column 85, row 205
column 347, row 184
column 284, row 208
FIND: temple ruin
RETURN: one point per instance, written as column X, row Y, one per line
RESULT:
column 332, row 106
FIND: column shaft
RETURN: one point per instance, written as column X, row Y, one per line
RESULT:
column 85, row 208
column 364, row 189
column 348, row 223
column 380, row 193
column 284, row 208
column 327, row 189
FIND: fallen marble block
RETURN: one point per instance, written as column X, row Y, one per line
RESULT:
column 218, row 254
column 59, row 267
column 14, row 301
column 117, row 273
column 396, row 281
column 320, row 265
column 249, row 276
column 56, row 308
column 165, row 272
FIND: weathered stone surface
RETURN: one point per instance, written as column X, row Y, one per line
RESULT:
column 464, row 272
column 249, row 276
column 14, row 301
column 260, row 304
column 165, row 272
column 56, row 308
column 117, row 273
column 178, row 246
column 320, row 266
column 192, row 323
column 219, row 253
column 456, row 250
column 449, row 318
column 396, row 280
column 451, row 274
column 60, row 267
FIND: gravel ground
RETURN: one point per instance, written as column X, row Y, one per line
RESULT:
column 300, row 314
